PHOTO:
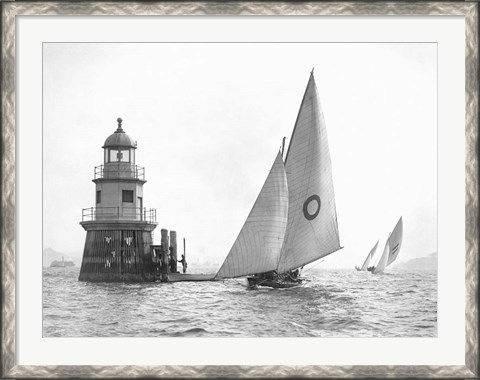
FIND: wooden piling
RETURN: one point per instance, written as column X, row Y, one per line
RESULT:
column 184, row 257
column 173, row 251
column 164, row 259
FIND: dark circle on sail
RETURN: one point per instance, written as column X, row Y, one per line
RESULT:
column 310, row 199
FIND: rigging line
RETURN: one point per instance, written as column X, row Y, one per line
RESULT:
column 313, row 266
column 323, row 258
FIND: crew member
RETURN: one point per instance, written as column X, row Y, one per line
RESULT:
column 184, row 264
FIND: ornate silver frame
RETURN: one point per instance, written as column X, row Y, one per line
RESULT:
column 10, row 10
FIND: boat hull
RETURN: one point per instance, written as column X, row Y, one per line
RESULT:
column 253, row 281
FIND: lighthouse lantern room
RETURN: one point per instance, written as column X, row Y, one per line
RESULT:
column 119, row 227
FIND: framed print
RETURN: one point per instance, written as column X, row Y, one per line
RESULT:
column 240, row 189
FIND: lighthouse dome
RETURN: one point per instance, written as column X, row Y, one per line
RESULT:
column 119, row 138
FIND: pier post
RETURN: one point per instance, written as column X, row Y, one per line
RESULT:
column 164, row 255
column 173, row 246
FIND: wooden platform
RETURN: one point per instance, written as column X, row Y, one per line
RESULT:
column 179, row 277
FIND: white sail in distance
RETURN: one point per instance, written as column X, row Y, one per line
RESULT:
column 395, row 242
column 382, row 262
column 312, row 228
column 257, row 247
column 369, row 257
column 392, row 248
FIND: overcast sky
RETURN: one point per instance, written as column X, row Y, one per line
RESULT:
column 209, row 120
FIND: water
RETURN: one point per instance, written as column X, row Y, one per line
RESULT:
column 332, row 303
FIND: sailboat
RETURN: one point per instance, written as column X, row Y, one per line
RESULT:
column 294, row 220
column 366, row 263
column 391, row 249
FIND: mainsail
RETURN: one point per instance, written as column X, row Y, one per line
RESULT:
column 312, row 228
column 395, row 241
column 392, row 248
column 369, row 257
column 258, row 245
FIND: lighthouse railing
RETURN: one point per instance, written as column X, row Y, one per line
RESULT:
column 119, row 170
column 117, row 213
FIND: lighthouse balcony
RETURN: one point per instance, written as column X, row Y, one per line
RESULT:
column 119, row 170
column 119, row 214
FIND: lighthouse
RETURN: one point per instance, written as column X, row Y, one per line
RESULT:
column 118, row 245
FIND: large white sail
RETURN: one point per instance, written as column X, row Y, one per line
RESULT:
column 369, row 257
column 312, row 229
column 395, row 242
column 258, row 245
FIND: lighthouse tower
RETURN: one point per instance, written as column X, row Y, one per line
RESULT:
column 119, row 227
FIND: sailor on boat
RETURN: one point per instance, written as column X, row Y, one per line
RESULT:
column 288, row 277
column 272, row 275
column 292, row 276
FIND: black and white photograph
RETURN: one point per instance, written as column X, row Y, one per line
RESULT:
column 239, row 190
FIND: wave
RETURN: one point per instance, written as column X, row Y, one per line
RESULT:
column 196, row 331
column 335, row 304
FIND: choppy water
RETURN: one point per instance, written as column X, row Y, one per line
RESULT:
column 332, row 303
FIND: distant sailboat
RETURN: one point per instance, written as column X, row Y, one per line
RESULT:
column 295, row 223
column 391, row 250
column 382, row 261
column 366, row 263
